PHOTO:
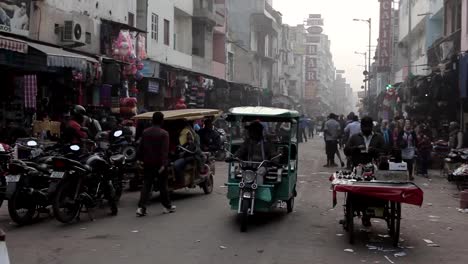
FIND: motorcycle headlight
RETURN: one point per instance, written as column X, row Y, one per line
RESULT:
column 249, row 176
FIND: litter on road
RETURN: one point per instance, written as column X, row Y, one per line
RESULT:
column 389, row 260
column 400, row 254
column 222, row 247
column 349, row 250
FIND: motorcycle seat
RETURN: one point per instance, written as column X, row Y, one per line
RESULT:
column 40, row 167
column 119, row 158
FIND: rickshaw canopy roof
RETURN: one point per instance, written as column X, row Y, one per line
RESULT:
column 262, row 113
column 187, row 114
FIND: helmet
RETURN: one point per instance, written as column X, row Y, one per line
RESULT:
column 79, row 110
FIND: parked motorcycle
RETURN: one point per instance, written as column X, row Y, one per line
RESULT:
column 86, row 181
column 6, row 154
column 220, row 154
column 29, row 187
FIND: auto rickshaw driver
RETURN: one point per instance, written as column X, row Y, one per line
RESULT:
column 255, row 148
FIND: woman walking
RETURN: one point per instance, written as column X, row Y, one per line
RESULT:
column 407, row 142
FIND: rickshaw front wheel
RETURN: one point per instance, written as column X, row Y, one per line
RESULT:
column 290, row 205
column 244, row 215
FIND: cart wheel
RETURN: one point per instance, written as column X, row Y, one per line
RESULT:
column 290, row 205
column 350, row 219
column 396, row 235
column 391, row 220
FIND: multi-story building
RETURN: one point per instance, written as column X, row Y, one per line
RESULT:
column 73, row 52
column 426, row 28
column 296, row 70
column 254, row 27
column 208, row 37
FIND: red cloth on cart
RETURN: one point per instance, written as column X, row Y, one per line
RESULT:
column 401, row 192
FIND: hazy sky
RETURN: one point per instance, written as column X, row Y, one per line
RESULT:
column 346, row 36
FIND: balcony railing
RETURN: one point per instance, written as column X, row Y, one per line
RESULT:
column 208, row 16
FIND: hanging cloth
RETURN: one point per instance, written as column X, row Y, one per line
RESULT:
column 30, row 91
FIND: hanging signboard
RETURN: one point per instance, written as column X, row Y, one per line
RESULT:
column 153, row 86
column 385, row 36
column 315, row 20
column 14, row 16
column 315, row 30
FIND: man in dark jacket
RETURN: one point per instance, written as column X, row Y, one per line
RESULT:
column 365, row 146
column 209, row 138
column 153, row 152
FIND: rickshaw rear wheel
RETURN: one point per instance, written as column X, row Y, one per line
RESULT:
column 290, row 205
column 207, row 186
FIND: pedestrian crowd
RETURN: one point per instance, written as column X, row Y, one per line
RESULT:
column 403, row 139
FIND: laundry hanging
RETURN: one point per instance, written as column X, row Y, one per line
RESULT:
column 30, row 91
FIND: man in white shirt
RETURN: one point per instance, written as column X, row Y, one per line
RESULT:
column 352, row 128
column 332, row 132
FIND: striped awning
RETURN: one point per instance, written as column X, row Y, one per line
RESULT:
column 57, row 57
column 13, row 44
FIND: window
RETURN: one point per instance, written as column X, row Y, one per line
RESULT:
column 166, row 32
column 131, row 19
column 154, row 26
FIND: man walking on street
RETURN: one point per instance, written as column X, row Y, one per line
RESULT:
column 331, row 133
column 311, row 127
column 302, row 129
column 153, row 152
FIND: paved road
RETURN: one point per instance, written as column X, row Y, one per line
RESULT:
column 204, row 230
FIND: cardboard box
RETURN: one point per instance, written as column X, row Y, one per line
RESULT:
column 402, row 166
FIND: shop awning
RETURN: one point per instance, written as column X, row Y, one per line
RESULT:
column 57, row 57
column 13, row 44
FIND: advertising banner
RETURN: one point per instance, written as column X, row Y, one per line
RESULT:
column 14, row 16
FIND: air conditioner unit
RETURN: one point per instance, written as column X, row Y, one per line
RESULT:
column 73, row 32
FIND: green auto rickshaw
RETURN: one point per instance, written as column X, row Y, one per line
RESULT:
column 264, row 184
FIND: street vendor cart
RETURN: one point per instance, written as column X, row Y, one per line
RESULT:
column 381, row 197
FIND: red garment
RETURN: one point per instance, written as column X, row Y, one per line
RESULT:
column 154, row 147
column 79, row 134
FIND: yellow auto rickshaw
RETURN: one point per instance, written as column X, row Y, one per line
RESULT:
column 200, row 169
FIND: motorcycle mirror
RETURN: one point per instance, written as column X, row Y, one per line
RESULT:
column 31, row 143
column 75, row 147
column 118, row 133
column 277, row 156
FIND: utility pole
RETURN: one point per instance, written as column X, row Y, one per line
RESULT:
column 409, row 39
column 369, row 64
